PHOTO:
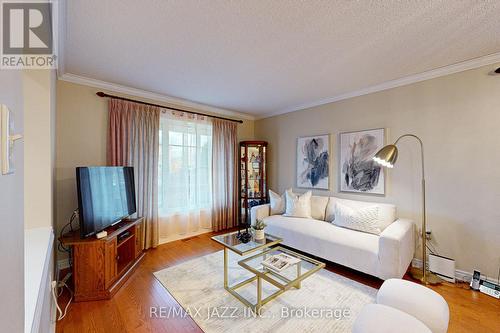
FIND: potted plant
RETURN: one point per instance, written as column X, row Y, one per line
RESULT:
column 259, row 229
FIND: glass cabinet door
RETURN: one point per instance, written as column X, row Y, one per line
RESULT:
column 253, row 184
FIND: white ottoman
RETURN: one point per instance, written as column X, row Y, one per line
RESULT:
column 421, row 302
column 377, row 318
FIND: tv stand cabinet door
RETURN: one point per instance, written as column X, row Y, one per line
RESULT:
column 88, row 260
column 111, row 262
column 139, row 239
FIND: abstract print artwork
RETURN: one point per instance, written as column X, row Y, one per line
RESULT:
column 358, row 172
column 313, row 154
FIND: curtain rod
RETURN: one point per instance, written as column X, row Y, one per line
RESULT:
column 103, row 94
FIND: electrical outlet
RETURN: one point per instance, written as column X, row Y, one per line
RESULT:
column 428, row 234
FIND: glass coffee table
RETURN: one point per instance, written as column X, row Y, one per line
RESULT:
column 284, row 280
column 231, row 242
column 290, row 277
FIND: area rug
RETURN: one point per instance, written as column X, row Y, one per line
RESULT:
column 326, row 302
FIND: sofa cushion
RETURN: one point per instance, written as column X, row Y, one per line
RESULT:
column 365, row 219
column 387, row 212
column 277, row 203
column 298, row 205
column 318, row 207
column 347, row 247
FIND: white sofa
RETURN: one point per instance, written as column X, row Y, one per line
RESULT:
column 387, row 255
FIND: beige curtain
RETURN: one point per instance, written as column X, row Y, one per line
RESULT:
column 133, row 140
column 224, row 174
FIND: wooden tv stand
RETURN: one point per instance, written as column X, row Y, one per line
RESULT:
column 101, row 266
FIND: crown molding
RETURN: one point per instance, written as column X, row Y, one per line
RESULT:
column 169, row 100
column 432, row 74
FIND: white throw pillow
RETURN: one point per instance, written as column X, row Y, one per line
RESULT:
column 318, row 207
column 330, row 209
column 386, row 213
column 277, row 203
column 364, row 219
column 298, row 205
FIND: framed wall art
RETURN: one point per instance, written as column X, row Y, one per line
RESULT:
column 313, row 162
column 358, row 172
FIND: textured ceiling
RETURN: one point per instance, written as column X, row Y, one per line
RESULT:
column 261, row 57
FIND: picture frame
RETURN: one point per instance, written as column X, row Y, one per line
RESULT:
column 358, row 173
column 313, row 162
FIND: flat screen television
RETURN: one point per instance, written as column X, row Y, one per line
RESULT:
column 106, row 195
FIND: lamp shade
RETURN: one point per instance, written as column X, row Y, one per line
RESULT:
column 387, row 156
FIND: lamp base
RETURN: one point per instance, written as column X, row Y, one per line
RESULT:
column 431, row 278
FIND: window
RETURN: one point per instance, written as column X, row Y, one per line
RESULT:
column 185, row 165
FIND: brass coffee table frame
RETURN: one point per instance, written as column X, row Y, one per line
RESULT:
column 233, row 247
column 267, row 273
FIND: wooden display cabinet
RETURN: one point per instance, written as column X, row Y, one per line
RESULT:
column 253, row 178
column 101, row 266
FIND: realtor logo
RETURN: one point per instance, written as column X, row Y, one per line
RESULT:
column 28, row 35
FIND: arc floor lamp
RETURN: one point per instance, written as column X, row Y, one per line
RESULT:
column 387, row 157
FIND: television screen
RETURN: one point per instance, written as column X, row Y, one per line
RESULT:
column 105, row 196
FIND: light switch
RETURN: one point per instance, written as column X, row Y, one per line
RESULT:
column 6, row 140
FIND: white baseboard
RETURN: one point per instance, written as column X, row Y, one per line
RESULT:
column 173, row 238
column 64, row 263
column 460, row 275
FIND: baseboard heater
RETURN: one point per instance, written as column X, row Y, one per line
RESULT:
column 443, row 267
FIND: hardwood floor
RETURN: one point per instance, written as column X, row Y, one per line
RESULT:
column 129, row 309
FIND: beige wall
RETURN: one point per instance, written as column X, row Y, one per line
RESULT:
column 81, row 140
column 457, row 117
column 82, row 122
column 39, row 145
column 39, row 92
